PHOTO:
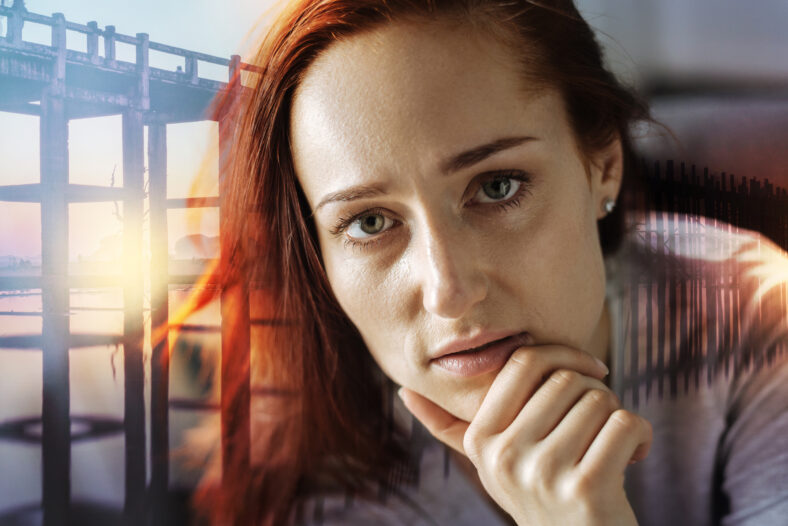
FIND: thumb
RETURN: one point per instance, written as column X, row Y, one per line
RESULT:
column 442, row 425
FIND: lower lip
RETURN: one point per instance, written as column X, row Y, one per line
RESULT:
column 489, row 359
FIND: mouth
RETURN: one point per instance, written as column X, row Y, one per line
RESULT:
column 483, row 358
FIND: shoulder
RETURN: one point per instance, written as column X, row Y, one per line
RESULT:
column 697, row 299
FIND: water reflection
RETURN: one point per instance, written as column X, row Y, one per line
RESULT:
column 96, row 375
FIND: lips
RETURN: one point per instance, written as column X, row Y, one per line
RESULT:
column 473, row 344
column 481, row 359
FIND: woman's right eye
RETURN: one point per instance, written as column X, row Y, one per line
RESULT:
column 363, row 229
column 369, row 224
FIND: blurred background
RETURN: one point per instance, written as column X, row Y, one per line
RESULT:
column 715, row 72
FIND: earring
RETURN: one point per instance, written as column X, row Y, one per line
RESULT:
column 608, row 205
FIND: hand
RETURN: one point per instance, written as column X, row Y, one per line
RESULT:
column 549, row 441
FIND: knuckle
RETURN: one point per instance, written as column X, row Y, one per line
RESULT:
column 597, row 397
column 581, row 487
column 536, row 476
column 564, row 377
column 626, row 419
column 502, row 460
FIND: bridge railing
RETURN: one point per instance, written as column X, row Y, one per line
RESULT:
column 14, row 26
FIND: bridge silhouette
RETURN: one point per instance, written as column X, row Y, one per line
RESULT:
column 57, row 84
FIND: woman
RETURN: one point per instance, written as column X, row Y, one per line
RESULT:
column 432, row 188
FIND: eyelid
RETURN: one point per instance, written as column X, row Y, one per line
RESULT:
column 345, row 222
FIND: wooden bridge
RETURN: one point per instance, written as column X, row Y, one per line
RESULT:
column 58, row 84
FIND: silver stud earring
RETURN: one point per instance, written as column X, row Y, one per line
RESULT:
column 609, row 204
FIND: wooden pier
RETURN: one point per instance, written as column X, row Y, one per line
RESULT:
column 57, row 85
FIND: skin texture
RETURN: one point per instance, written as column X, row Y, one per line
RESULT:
column 446, row 260
column 388, row 107
column 453, row 253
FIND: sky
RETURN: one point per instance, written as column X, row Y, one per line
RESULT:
column 95, row 147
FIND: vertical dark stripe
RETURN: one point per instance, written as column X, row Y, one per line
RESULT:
column 687, row 360
column 661, row 240
column 55, row 412
column 160, row 360
column 317, row 514
column 236, row 340
column 632, row 374
column 348, row 499
column 681, row 304
column 667, row 274
column 134, row 373
column 446, row 461
column 726, row 279
column 735, row 213
column 236, row 328
column 653, row 239
column 235, row 386
column 711, row 279
column 702, row 312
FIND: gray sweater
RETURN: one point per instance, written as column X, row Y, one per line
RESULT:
column 700, row 349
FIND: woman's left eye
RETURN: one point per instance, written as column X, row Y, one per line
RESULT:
column 369, row 227
column 502, row 185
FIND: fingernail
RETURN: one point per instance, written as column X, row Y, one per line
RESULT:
column 399, row 393
column 602, row 365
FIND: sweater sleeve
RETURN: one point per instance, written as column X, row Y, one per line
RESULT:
column 754, row 449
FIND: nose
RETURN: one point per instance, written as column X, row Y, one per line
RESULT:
column 451, row 272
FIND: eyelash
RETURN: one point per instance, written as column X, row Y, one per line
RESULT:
column 344, row 222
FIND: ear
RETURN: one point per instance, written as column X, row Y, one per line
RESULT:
column 607, row 171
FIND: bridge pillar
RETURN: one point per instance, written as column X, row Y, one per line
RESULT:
column 109, row 44
column 134, row 372
column 13, row 33
column 92, row 42
column 56, row 432
column 159, row 301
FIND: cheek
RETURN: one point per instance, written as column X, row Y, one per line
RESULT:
column 374, row 303
column 566, row 281
column 354, row 291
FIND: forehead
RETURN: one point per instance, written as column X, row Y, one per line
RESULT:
column 406, row 95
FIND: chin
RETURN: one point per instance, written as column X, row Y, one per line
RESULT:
column 464, row 401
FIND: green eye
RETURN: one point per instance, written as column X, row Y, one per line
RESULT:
column 372, row 223
column 497, row 188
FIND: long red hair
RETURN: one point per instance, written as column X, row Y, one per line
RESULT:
column 305, row 408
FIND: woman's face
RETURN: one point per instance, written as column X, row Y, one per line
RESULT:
column 449, row 243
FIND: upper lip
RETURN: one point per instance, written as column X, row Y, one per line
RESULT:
column 464, row 344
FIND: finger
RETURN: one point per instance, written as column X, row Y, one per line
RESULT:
column 625, row 436
column 521, row 376
column 550, row 404
column 442, row 425
column 572, row 437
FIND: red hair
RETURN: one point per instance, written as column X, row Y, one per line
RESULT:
column 289, row 351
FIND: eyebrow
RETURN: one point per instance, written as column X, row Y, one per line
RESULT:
column 451, row 165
